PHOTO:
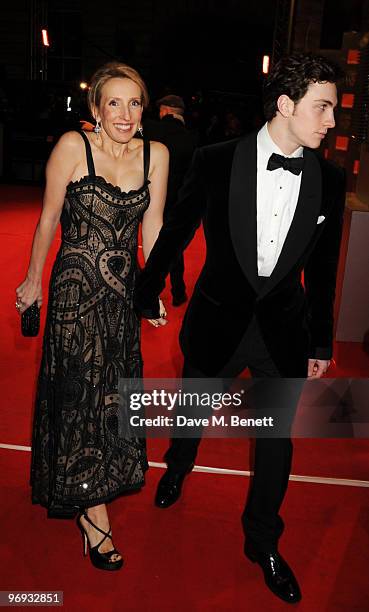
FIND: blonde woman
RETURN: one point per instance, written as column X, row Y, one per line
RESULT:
column 100, row 186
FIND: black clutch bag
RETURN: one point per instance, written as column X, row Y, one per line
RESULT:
column 30, row 320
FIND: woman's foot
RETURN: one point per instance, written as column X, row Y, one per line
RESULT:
column 94, row 524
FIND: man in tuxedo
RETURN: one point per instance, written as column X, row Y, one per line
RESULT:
column 271, row 209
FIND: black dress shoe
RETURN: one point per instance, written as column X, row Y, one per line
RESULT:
column 178, row 300
column 170, row 487
column 278, row 576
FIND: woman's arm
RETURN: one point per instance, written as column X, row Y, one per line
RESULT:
column 180, row 224
column 153, row 217
column 59, row 170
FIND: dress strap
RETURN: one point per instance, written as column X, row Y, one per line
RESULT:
column 90, row 161
column 146, row 156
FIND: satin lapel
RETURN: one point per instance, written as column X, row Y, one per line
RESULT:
column 304, row 221
column 242, row 206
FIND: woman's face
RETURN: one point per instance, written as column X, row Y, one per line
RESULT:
column 120, row 109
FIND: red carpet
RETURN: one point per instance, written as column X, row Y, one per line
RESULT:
column 189, row 556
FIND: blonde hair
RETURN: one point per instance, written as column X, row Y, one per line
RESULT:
column 113, row 70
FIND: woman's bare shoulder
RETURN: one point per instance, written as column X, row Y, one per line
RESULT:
column 156, row 148
column 159, row 151
column 70, row 142
column 67, row 153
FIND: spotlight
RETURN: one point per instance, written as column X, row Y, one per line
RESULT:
column 83, row 85
column 266, row 63
column 45, row 38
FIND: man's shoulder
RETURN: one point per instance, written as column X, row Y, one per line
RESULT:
column 172, row 134
column 226, row 148
column 329, row 168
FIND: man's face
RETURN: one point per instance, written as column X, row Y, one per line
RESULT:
column 313, row 115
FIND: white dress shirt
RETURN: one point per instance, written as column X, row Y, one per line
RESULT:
column 277, row 195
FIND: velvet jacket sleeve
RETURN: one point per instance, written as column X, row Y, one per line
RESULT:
column 183, row 218
column 321, row 271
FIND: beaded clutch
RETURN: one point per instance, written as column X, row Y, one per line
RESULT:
column 30, row 320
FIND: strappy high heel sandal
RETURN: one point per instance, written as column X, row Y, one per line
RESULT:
column 99, row 559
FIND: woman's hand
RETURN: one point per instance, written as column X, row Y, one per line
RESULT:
column 163, row 313
column 59, row 171
column 27, row 293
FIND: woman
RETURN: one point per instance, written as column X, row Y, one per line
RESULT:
column 100, row 186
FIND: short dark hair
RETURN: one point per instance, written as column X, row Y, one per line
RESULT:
column 292, row 76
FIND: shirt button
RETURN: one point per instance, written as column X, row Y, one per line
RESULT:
column 272, row 241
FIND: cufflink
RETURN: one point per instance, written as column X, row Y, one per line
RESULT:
column 320, row 219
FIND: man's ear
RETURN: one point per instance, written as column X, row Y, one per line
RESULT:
column 285, row 105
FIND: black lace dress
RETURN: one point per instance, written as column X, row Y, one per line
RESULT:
column 91, row 341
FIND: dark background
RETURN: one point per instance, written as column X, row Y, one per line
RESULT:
column 208, row 51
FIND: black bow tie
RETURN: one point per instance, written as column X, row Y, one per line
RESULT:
column 292, row 164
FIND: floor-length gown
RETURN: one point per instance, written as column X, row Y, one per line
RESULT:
column 91, row 341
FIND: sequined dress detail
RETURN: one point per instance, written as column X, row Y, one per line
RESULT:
column 91, row 341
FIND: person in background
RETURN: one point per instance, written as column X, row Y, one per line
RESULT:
column 172, row 131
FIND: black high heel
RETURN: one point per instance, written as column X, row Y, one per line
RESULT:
column 98, row 559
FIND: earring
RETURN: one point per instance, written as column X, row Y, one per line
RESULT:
column 140, row 130
column 97, row 128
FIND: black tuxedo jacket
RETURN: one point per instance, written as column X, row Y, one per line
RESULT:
column 296, row 322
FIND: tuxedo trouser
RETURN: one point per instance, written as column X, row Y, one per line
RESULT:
column 261, row 521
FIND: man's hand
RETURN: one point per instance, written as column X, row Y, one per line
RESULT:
column 163, row 314
column 317, row 367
